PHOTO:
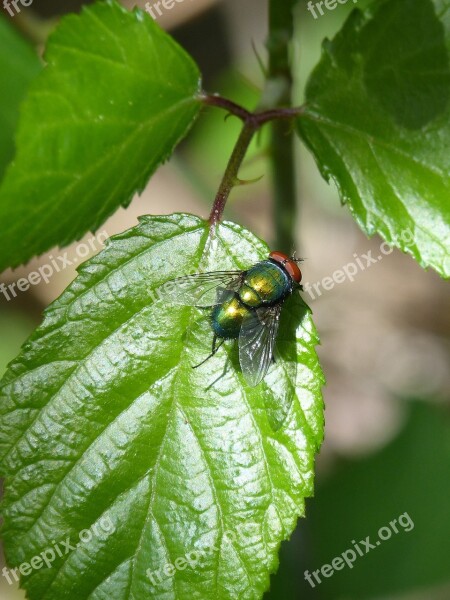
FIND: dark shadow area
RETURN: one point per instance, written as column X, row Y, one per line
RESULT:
column 406, row 68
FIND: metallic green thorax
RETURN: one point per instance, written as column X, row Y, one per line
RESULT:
column 264, row 284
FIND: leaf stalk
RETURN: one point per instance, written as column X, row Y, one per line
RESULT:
column 252, row 121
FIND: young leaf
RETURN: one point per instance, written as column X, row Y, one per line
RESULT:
column 104, row 420
column 116, row 97
column 378, row 123
column 19, row 65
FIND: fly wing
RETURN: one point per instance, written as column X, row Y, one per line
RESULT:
column 280, row 388
column 200, row 289
column 256, row 352
column 257, row 341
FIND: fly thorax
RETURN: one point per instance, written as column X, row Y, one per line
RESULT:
column 249, row 296
column 268, row 282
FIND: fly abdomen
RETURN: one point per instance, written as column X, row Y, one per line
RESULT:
column 227, row 318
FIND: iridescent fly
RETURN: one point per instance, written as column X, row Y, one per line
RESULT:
column 246, row 305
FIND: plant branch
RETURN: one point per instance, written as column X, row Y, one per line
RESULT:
column 230, row 178
column 252, row 122
column 282, row 145
column 231, row 107
column 259, row 118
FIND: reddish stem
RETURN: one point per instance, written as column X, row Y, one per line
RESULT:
column 252, row 122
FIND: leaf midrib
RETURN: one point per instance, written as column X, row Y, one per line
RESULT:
column 92, row 442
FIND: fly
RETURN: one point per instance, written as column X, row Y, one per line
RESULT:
column 246, row 305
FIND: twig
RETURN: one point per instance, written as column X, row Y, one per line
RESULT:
column 252, row 122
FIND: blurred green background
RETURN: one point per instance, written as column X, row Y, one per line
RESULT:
column 385, row 342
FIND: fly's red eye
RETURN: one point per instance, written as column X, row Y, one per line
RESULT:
column 290, row 265
column 279, row 256
column 293, row 270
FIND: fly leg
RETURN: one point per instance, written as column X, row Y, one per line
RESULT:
column 215, row 348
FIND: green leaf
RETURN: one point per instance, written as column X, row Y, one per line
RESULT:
column 117, row 95
column 103, row 418
column 19, row 65
column 378, row 123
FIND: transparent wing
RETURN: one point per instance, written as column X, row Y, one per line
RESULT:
column 280, row 388
column 256, row 352
column 257, row 341
column 200, row 289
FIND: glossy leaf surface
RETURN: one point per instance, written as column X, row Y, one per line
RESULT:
column 103, row 420
column 115, row 98
column 19, row 65
column 378, row 123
